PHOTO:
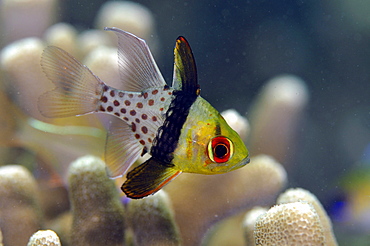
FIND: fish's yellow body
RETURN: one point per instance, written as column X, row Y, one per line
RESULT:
column 193, row 153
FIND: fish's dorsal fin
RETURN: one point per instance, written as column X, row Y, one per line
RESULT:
column 137, row 68
column 121, row 150
column 185, row 76
column 148, row 178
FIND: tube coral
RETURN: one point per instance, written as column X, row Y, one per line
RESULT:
column 130, row 16
column 289, row 224
column 275, row 116
column 152, row 221
column 20, row 61
column 19, row 205
column 44, row 238
column 298, row 194
column 64, row 36
column 249, row 222
column 98, row 217
column 27, row 18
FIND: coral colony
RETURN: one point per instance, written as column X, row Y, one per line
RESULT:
column 33, row 202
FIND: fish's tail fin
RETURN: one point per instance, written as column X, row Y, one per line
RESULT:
column 77, row 91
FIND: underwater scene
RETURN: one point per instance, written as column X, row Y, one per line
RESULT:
column 113, row 115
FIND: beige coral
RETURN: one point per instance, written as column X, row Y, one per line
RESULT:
column 26, row 18
column 249, row 223
column 290, row 224
column 1, row 238
column 20, row 61
column 98, row 217
column 299, row 194
column 64, row 36
column 44, row 238
column 126, row 15
column 275, row 116
column 152, row 221
column 19, row 205
column 90, row 39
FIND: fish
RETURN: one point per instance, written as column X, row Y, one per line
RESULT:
column 180, row 130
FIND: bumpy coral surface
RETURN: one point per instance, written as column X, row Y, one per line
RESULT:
column 299, row 194
column 289, row 224
column 44, row 238
column 249, row 221
column 19, row 206
column 152, row 221
column 98, row 217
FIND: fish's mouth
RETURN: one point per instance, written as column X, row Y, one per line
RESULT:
column 224, row 169
column 244, row 162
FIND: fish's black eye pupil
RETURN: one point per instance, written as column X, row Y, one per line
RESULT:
column 220, row 150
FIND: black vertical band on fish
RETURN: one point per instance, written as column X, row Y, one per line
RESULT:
column 168, row 134
column 166, row 140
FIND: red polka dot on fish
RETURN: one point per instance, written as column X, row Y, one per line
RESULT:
column 142, row 111
column 144, row 129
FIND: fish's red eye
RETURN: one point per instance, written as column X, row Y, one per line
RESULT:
column 220, row 149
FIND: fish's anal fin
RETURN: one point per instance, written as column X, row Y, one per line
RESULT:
column 185, row 76
column 121, row 150
column 148, row 178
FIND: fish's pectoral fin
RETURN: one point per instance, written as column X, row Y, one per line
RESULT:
column 148, row 178
column 185, row 76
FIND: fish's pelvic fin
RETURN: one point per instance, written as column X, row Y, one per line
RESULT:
column 148, row 178
column 122, row 149
column 137, row 68
column 77, row 90
column 185, row 76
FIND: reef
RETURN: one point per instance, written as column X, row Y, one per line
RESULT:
column 59, row 188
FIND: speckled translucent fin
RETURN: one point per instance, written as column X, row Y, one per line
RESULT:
column 121, row 150
column 138, row 70
column 148, row 178
column 77, row 89
column 185, row 76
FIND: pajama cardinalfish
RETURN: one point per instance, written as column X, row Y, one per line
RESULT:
column 179, row 129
